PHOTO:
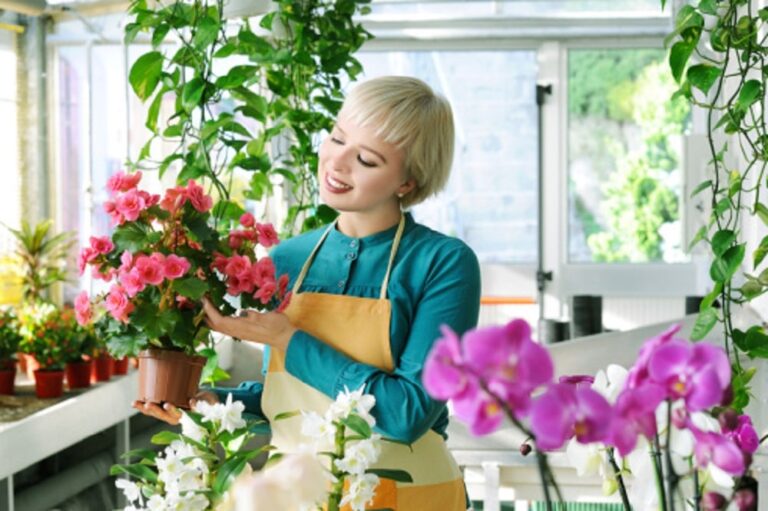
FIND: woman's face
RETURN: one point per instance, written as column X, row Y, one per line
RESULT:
column 360, row 172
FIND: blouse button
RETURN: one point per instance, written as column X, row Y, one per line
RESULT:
column 341, row 284
column 351, row 256
column 353, row 243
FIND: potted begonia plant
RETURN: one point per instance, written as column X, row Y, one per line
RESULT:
column 9, row 344
column 162, row 258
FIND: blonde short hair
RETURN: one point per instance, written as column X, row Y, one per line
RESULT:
column 407, row 113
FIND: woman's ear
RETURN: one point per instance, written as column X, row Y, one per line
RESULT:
column 406, row 188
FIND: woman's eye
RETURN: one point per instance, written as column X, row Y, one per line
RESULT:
column 337, row 141
column 364, row 162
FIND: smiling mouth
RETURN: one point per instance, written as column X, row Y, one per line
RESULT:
column 336, row 185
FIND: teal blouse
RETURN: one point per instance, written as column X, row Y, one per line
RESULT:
column 435, row 280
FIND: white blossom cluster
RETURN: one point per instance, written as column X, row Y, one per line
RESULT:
column 182, row 471
column 358, row 455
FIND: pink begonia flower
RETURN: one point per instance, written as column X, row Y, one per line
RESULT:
column 237, row 265
column 83, row 311
column 718, row 449
column 285, row 303
column 267, row 235
column 263, row 271
column 243, row 283
column 149, row 199
column 126, row 261
column 122, row 182
column 247, row 220
column 634, row 415
column 698, row 373
column 132, row 282
column 174, row 198
column 150, row 270
column 130, row 205
column 565, row 411
column 86, row 255
column 639, row 372
column 219, row 262
column 265, row 291
column 282, row 284
column 117, row 303
column 106, row 277
column 175, row 267
column 200, row 201
column 235, row 240
column 102, row 245
column 115, row 217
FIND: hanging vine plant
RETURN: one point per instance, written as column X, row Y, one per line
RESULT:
column 719, row 59
column 261, row 115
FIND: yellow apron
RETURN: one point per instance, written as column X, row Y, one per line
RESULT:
column 359, row 328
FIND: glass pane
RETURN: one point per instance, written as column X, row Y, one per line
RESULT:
column 479, row 8
column 624, row 157
column 493, row 98
column 10, row 206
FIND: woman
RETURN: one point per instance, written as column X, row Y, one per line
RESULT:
column 371, row 291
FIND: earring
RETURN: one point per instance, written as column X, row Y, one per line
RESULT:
column 400, row 195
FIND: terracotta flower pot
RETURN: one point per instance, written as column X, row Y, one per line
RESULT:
column 120, row 367
column 101, row 368
column 169, row 376
column 78, row 374
column 49, row 384
column 7, row 376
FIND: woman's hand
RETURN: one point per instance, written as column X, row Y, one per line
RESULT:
column 272, row 328
column 169, row 413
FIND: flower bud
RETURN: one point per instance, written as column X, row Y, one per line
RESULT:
column 679, row 418
column 727, row 396
column 745, row 500
column 610, row 486
column 712, row 501
column 525, row 449
column 729, row 420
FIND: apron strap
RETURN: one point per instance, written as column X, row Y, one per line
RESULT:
column 392, row 253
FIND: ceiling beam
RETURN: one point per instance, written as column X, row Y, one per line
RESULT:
column 28, row 7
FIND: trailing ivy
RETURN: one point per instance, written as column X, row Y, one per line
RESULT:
column 264, row 114
column 714, row 43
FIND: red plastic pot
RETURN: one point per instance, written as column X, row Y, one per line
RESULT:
column 120, row 367
column 49, row 384
column 78, row 374
column 7, row 376
column 102, row 368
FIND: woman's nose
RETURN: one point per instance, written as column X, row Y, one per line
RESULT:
column 340, row 159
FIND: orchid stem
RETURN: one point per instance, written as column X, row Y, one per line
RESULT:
column 656, row 458
column 672, row 477
column 620, row 480
column 541, row 459
column 696, row 490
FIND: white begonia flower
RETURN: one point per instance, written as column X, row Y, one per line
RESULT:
column 191, row 429
column 130, row 489
column 359, row 456
column 361, row 491
column 355, row 401
column 609, row 383
column 232, row 415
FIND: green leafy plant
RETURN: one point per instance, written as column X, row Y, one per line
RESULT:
column 42, row 257
column 45, row 335
column 719, row 61
column 246, row 99
column 9, row 334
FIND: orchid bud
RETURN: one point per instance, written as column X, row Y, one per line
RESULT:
column 745, row 500
column 610, row 486
column 727, row 396
column 679, row 418
column 525, row 449
column 729, row 420
column 713, row 501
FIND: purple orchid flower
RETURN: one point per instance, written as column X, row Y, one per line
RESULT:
column 639, row 372
column 444, row 374
column 698, row 373
column 717, row 449
column 634, row 415
column 565, row 411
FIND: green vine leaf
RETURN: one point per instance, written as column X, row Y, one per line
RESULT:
column 678, row 58
column 724, row 267
column 703, row 76
column 762, row 212
column 192, row 93
column 751, row 91
column 401, row 476
column 145, row 74
column 708, row 7
column 705, row 321
column 760, row 252
column 702, row 186
column 722, row 241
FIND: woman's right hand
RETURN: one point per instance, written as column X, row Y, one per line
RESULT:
column 169, row 413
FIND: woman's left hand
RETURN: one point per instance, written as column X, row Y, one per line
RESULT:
column 272, row 328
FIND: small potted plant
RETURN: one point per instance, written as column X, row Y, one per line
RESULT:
column 79, row 347
column 9, row 344
column 43, row 336
column 166, row 254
